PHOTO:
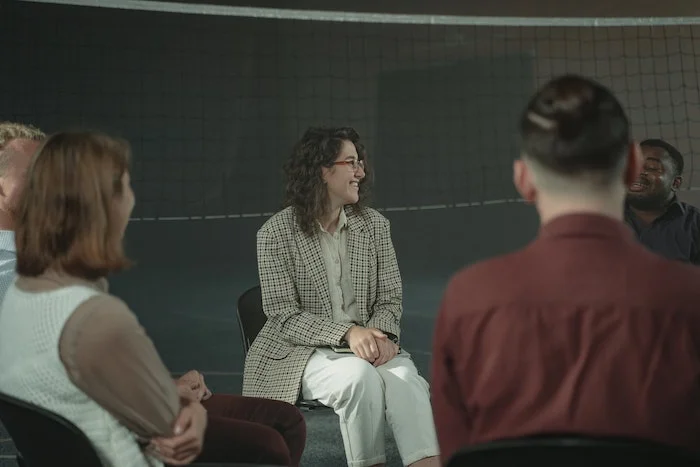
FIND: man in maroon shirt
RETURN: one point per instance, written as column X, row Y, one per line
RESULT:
column 584, row 331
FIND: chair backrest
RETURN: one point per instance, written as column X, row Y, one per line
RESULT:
column 251, row 317
column 44, row 438
column 572, row 451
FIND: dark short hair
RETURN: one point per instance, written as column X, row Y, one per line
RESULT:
column 574, row 125
column 305, row 190
column 66, row 216
column 673, row 153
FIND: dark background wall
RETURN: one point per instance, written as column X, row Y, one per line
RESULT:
column 212, row 106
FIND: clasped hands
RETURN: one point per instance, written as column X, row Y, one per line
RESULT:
column 187, row 440
column 191, row 386
column 371, row 344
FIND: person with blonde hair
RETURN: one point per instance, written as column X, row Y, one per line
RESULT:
column 69, row 346
column 18, row 142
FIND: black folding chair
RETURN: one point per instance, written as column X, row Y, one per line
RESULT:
column 251, row 319
column 43, row 438
column 572, row 451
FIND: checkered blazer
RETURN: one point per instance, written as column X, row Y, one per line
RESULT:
column 297, row 303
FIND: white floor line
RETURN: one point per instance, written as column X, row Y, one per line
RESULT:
column 429, row 207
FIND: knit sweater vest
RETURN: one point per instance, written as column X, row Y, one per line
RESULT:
column 31, row 370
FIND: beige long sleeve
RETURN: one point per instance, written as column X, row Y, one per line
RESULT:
column 109, row 356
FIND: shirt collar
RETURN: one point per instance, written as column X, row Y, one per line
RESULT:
column 7, row 241
column 342, row 222
column 585, row 225
column 674, row 206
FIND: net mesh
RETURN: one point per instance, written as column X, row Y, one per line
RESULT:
column 213, row 105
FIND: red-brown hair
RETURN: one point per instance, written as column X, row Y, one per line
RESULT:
column 66, row 218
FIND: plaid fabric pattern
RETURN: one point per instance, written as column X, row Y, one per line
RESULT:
column 297, row 302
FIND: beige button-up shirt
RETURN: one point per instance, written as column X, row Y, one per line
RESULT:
column 334, row 251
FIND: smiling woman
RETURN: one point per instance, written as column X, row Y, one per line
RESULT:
column 315, row 185
column 343, row 181
column 332, row 294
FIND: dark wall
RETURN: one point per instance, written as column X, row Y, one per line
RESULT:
column 212, row 106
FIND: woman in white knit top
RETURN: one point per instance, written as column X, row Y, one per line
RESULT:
column 69, row 232
column 69, row 346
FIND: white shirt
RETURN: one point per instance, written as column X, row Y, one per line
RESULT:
column 8, row 261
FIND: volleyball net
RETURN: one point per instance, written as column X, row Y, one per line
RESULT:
column 213, row 98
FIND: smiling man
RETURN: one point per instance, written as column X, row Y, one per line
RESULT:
column 661, row 222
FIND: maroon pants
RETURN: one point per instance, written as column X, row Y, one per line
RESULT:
column 252, row 430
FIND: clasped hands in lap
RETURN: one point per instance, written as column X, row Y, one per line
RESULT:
column 371, row 344
column 188, row 434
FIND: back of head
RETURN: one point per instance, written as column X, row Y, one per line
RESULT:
column 67, row 219
column 575, row 131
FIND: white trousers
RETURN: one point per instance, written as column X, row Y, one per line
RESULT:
column 364, row 397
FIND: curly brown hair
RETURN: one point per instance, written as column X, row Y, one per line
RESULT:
column 305, row 191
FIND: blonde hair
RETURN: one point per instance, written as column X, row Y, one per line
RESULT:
column 10, row 131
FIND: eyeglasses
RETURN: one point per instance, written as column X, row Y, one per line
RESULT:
column 355, row 164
